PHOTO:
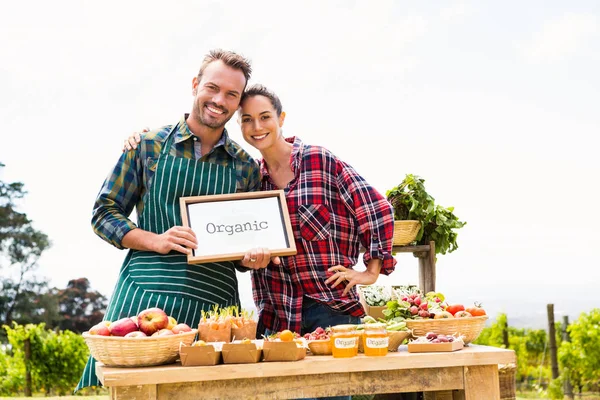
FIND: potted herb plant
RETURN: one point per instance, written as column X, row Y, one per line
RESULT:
column 411, row 202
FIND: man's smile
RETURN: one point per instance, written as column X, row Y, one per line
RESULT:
column 215, row 110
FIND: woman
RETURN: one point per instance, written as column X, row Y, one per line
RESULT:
column 333, row 212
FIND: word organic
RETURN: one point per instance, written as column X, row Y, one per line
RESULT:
column 236, row 228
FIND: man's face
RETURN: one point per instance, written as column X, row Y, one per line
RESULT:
column 217, row 94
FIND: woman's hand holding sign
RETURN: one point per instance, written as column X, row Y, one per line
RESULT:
column 258, row 258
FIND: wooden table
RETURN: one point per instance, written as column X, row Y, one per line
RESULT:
column 471, row 373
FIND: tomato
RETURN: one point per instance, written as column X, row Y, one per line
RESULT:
column 454, row 308
column 476, row 310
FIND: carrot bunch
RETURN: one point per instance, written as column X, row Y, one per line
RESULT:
column 225, row 324
column 216, row 319
column 241, row 318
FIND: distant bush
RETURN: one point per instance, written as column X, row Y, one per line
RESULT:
column 12, row 371
column 57, row 360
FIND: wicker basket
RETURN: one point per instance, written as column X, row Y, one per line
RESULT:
column 396, row 339
column 506, row 377
column 115, row 351
column 469, row 328
column 320, row 347
column 405, row 232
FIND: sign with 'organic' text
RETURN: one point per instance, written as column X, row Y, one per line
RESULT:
column 228, row 225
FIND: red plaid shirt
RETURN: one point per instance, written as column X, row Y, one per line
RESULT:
column 333, row 211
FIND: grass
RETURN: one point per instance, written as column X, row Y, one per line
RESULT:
column 536, row 396
column 59, row 397
column 520, row 396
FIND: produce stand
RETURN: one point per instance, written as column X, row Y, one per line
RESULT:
column 471, row 374
column 426, row 255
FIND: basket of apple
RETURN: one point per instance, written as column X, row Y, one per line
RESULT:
column 150, row 338
column 430, row 312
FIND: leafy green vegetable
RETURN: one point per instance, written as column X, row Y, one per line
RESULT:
column 411, row 201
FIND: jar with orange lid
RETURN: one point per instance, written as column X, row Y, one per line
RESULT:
column 375, row 339
column 344, row 341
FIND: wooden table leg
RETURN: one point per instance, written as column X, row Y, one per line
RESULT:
column 439, row 395
column 142, row 392
column 481, row 382
column 427, row 269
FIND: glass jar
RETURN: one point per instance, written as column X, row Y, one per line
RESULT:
column 376, row 340
column 344, row 341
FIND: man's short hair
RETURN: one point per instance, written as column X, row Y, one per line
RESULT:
column 260, row 90
column 229, row 58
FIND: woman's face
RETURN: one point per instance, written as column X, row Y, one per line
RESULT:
column 259, row 122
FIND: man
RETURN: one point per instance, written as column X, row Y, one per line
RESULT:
column 193, row 157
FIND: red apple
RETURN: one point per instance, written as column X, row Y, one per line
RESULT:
column 136, row 334
column 100, row 329
column 163, row 332
column 181, row 328
column 122, row 327
column 152, row 320
column 135, row 319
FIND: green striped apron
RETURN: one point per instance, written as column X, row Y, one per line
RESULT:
column 149, row 279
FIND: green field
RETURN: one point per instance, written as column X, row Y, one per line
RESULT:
column 60, row 398
column 520, row 396
column 524, row 396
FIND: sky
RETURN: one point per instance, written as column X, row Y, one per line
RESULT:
column 494, row 104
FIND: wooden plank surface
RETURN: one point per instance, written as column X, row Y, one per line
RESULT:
column 310, row 386
column 411, row 249
column 471, row 355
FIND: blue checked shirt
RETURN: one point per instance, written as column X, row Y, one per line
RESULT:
column 126, row 185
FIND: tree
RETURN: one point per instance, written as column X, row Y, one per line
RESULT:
column 528, row 344
column 21, row 246
column 80, row 308
column 29, row 301
column 580, row 357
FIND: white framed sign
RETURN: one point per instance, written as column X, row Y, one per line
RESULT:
column 228, row 225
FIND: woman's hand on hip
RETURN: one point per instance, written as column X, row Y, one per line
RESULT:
column 341, row 274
